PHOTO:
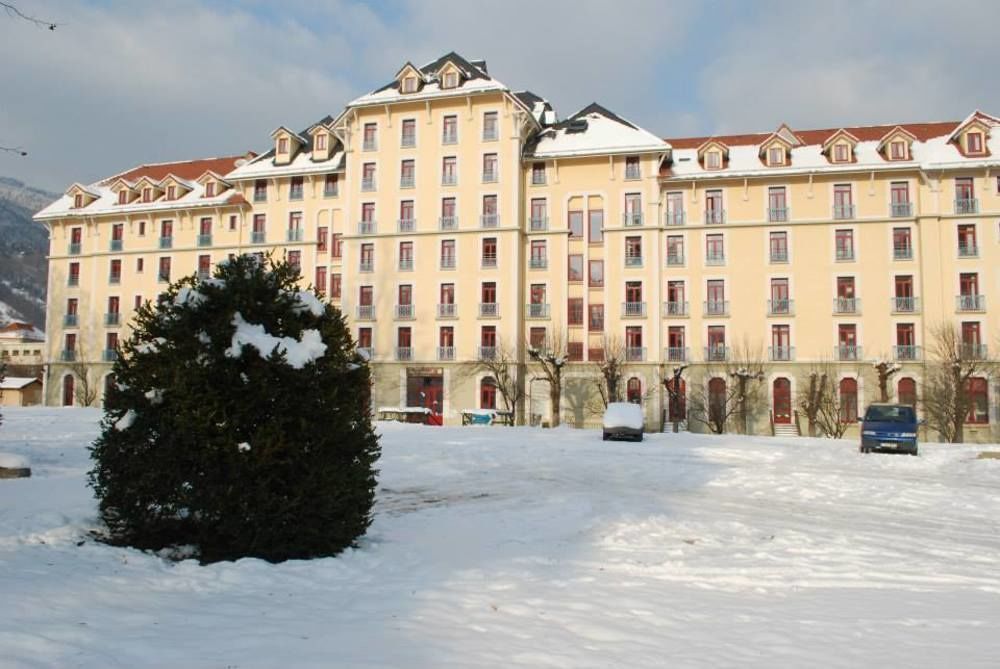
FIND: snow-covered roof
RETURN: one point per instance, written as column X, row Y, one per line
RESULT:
column 931, row 148
column 107, row 203
column 264, row 167
column 474, row 79
column 17, row 382
column 593, row 131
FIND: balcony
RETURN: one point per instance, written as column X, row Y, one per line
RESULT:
column 114, row 279
column 74, row 249
column 295, row 193
column 968, row 250
column 633, row 260
column 537, row 177
column 116, row 245
column 294, row 235
column 847, row 305
column 258, row 237
column 489, row 261
column 366, row 228
column 446, row 310
column 781, row 353
column 487, row 353
column 489, row 221
column 491, row 133
column 449, row 138
column 779, row 256
column 109, row 355
column 717, row 308
column 675, row 309
column 166, row 242
column 330, row 190
column 901, row 209
column 967, row 205
column 675, row 260
column 784, row 307
column 449, row 179
column 404, row 353
column 843, row 212
column 777, row 214
column 404, row 312
column 260, row 195
column 205, row 240
column 447, row 262
column 967, row 303
column 538, row 262
column 367, row 184
column 632, row 172
column 902, row 252
column 675, row 217
column 366, row 312
column 369, row 144
column 112, row 318
column 904, row 305
column 635, row 353
column 716, row 353
column 448, row 222
column 446, row 352
column 489, row 310
column 407, row 181
column 71, row 320
column 847, row 352
column 406, row 264
column 67, row 355
column 906, row 352
column 489, row 176
column 632, row 219
column 715, row 259
column 366, row 266
column 536, row 310
column 406, row 224
column 971, row 351
column 676, row 353
column 715, row 216
column 633, row 309
column 539, row 224
column 408, row 141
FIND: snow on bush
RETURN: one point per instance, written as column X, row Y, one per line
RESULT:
column 297, row 352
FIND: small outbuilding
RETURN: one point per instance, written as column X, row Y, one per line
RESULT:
column 20, row 391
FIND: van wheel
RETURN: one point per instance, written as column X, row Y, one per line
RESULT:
column 604, row 437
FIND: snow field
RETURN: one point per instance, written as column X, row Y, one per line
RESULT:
column 521, row 547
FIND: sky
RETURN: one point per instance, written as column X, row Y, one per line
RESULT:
column 120, row 83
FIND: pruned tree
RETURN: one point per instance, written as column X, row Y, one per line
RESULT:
column 742, row 396
column 552, row 358
column 85, row 387
column 820, row 400
column 675, row 396
column 502, row 366
column 948, row 376
column 611, row 368
column 884, row 370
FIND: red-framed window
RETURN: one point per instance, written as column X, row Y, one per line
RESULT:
column 596, row 226
column 906, row 391
column 448, row 293
column 633, row 390
column 446, row 336
column 364, row 337
column 322, row 239
column 405, row 294
column 596, row 273
column 633, row 291
column 336, row 245
column 575, row 221
column 321, row 279
column 488, row 393
column 848, row 400
column 366, row 296
column 336, row 286
column 575, row 267
column 489, row 292
column 574, row 310
column 536, row 337
column 977, row 392
column 595, row 320
column 488, row 336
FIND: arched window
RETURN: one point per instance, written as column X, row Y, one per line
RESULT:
column 633, row 390
column 488, row 393
column 979, row 401
column 67, row 390
column 849, row 400
column 906, row 391
column 717, row 400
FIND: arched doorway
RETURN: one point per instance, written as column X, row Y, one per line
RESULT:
column 849, row 400
column 633, row 390
column 782, row 401
column 488, row 393
column 676, row 401
column 906, row 391
column 67, row 390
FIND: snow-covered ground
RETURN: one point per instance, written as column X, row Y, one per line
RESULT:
column 510, row 547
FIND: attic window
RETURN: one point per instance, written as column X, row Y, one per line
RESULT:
column 321, row 142
column 77, row 201
column 171, row 192
column 450, row 80
column 974, row 142
column 841, row 153
column 123, row 197
column 210, row 189
column 147, row 194
column 776, row 156
column 713, row 160
column 283, row 145
column 409, row 84
column 897, row 150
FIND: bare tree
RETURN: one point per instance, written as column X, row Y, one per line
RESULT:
column 884, row 369
column 551, row 356
column 953, row 364
column 85, row 388
column 820, row 401
column 502, row 366
column 611, row 367
column 675, row 396
column 744, row 393
column 15, row 13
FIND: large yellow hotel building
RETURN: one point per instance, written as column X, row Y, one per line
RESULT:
column 446, row 215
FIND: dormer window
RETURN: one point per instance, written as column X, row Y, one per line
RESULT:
column 713, row 160
column 897, row 150
column 321, row 142
column 449, row 80
column 409, row 84
column 776, row 156
column 77, row 201
column 210, row 189
column 123, row 197
column 171, row 192
column 283, row 145
column 841, row 153
column 147, row 194
column 974, row 142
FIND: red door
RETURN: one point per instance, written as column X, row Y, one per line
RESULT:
column 782, row 401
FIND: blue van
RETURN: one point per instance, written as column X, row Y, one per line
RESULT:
column 889, row 427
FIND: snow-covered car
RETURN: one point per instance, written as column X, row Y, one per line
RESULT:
column 623, row 420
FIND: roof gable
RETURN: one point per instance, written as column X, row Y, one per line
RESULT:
column 842, row 133
column 977, row 117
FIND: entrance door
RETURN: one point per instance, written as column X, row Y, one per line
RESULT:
column 782, row 401
column 426, row 390
column 676, row 405
column 67, row 390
